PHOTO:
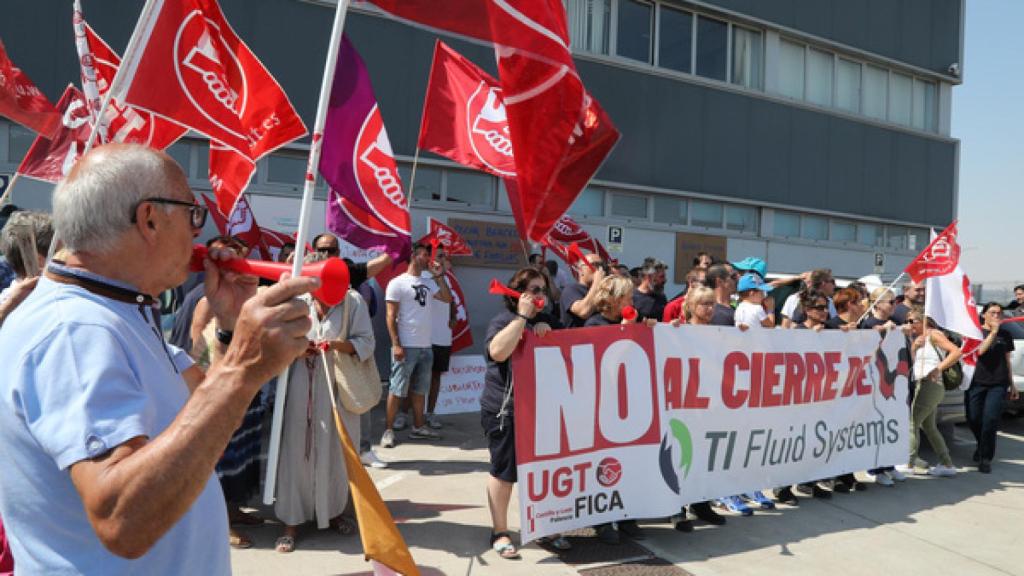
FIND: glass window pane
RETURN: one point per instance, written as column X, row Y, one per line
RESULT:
column 924, row 105
column 819, row 77
column 814, row 227
column 675, row 39
column 791, row 69
column 634, row 32
column 706, row 214
column 741, row 219
column 896, row 237
column 590, row 202
column 712, row 36
column 876, row 90
column 747, row 58
column 19, row 140
column 589, row 23
column 203, row 164
column 868, row 234
column 918, row 239
column 669, row 210
column 786, row 224
column 181, row 152
column 471, row 188
column 843, row 231
column 900, row 99
column 629, row 206
column 428, row 181
column 286, row 169
column 848, row 85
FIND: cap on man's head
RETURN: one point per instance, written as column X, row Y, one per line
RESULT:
column 751, row 264
column 750, row 281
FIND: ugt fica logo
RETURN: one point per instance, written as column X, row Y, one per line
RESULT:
column 681, row 447
column 609, row 472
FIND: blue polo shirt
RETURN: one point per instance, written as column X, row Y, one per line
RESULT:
column 82, row 375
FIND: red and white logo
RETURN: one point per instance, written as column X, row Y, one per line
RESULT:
column 207, row 69
column 939, row 258
column 377, row 174
column 488, row 130
column 609, row 472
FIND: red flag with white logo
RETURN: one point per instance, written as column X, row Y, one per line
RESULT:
column 452, row 242
column 120, row 123
column 565, row 232
column 464, row 115
column 51, row 159
column 462, row 336
column 192, row 68
column 949, row 301
column 219, row 219
column 229, row 173
column 23, row 102
column 242, row 224
column 559, row 133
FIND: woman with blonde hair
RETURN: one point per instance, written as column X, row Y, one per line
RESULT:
column 613, row 294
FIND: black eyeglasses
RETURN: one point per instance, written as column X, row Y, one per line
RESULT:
column 819, row 308
column 197, row 213
column 328, row 250
column 535, row 290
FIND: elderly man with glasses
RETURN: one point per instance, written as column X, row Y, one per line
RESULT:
column 108, row 456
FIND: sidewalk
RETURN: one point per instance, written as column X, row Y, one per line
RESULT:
column 970, row 524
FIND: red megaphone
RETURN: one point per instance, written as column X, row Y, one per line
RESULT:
column 628, row 313
column 332, row 272
column 577, row 254
column 502, row 290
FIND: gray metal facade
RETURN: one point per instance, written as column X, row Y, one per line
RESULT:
column 678, row 135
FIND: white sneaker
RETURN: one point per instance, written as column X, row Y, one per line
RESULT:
column 388, row 439
column 942, row 470
column 434, row 422
column 883, row 479
column 401, row 421
column 369, row 458
column 896, row 475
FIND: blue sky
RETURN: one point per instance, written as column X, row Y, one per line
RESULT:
column 988, row 118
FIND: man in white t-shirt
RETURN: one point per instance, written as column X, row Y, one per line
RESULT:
column 442, row 317
column 408, row 299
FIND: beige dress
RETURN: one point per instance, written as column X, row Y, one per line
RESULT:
column 311, row 481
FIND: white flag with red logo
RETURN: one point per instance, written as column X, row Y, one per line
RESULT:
column 192, row 68
column 51, row 159
column 451, row 241
column 229, row 174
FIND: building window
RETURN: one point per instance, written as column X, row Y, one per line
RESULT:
column 786, row 224
column 819, row 77
column 843, row 231
column 925, row 96
column 629, row 206
column 590, row 202
column 675, row 39
column 868, row 235
column 589, row 24
column 282, row 169
column 471, row 188
column 848, row 85
column 633, row 36
column 876, row 89
column 712, row 40
column 918, row 239
column 813, row 227
column 181, row 151
column 791, row 69
column 741, row 219
column 706, row 214
column 427, row 184
column 669, row 210
column 747, row 58
column 900, row 99
column 896, row 236
column 19, row 140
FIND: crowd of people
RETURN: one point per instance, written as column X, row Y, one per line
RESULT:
column 123, row 445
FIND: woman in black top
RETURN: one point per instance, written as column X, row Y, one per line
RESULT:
column 613, row 294
column 496, row 403
column 990, row 386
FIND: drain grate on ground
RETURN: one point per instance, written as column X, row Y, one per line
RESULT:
column 648, row 567
column 587, row 549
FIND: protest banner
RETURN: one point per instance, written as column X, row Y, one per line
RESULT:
column 462, row 385
column 626, row 422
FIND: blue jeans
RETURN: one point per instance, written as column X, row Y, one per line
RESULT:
column 984, row 406
column 412, row 372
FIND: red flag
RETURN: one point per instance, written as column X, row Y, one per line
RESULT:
column 464, row 115
column 192, row 68
column 462, row 336
column 219, row 219
column 560, row 134
column 23, row 102
column 950, row 302
column 274, row 241
column 50, row 160
column 565, row 232
column 242, row 224
column 452, row 242
column 229, row 174
column 122, row 123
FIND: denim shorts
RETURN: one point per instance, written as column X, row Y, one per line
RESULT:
column 412, row 372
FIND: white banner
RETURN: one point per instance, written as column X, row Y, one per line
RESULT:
column 461, row 385
column 619, row 422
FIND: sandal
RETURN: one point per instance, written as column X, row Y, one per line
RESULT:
column 506, row 549
column 239, row 541
column 285, row 544
column 558, row 542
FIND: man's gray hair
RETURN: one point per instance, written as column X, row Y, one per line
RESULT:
column 16, row 233
column 93, row 205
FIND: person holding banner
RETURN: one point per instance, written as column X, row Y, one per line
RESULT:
column 932, row 353
column 613, row 294
column 504, row 334
column 990, row 386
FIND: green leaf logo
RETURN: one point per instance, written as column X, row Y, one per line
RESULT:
column 682, row 435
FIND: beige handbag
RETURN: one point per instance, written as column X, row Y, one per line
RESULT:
column 357, row 381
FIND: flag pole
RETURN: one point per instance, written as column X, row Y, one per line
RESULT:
column 315, row 144
column 10, row 186
column 888, row 289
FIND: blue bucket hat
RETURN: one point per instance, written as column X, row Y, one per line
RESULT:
column 752, row 264
column 753, row 282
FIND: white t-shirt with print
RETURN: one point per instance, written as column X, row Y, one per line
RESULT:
column 440, row 332
column 750, row 314
column 413, row 295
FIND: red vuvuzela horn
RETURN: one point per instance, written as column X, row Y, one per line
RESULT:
column 574, row 250
column 502, row 290
column 332, row 272
column 433, row 248
column 628, row 313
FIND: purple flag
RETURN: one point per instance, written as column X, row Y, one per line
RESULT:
column 366, row 205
